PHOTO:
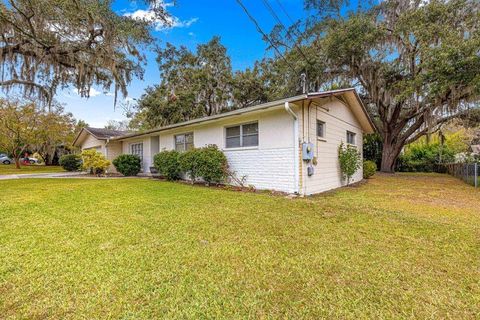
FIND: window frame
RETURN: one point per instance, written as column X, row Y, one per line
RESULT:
column 354, row 137
column 184, row 141
column 241, row 135
column 134, row 145
column 324, row 129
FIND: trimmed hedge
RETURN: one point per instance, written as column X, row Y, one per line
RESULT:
column 128, row 164
column 168, row 165
column 208, row 163
column 369, row 169
column 212, row 164
column 189, row 163
column 71, row 162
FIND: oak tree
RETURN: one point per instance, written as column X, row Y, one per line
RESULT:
column 50, row 44
column 416, row 63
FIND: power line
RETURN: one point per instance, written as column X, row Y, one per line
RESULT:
column 285, row 11
column 275, row 16
column 259, row 29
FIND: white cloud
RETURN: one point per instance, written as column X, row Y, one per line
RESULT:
column 150, row 16
column 74, row 94
column 183, row 24
column 94, row 92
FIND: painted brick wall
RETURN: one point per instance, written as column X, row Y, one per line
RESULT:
column 264, row 168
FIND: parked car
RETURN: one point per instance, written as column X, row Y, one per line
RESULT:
column 30, row 160
column 4, row 159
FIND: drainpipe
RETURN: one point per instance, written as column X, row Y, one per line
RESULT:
column 296, row 174
column 106, row 151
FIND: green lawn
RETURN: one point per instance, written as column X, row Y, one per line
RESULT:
column 10, row 169
column 403, row 246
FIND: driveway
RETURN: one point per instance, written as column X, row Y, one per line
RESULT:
column 42, row 175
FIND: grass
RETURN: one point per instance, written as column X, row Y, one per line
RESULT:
column 402, row 246
column 10, row 169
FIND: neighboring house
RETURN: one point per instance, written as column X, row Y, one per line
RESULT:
column 271, row 144
column 101, row 140
column 475, row 143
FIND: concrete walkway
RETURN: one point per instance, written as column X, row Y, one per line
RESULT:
column 42, row 175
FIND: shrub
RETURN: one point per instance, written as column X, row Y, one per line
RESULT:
column 167, row 163
column 422, row 157
column 212, row 164
column 94, row 162
column 71, row 162
column 208, row 163
column 372, row 148
column 369, row 169
column 189, row 163
column 349, row 159
column 128, row 164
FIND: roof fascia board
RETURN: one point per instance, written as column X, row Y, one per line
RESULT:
column 260, row 107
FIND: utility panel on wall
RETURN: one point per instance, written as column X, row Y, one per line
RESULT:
column 307, row 151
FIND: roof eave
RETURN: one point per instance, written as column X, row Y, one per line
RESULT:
column 357, row 97
column 86, row 129
column 259, row 107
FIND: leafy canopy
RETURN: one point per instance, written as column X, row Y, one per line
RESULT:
column 416, row 63
column 19, row 127
column 198, row 84
column 50, row 44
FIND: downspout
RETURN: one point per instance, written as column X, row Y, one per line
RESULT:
column 106, row 151
column 296, row 169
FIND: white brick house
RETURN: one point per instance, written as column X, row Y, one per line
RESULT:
column 266, row 143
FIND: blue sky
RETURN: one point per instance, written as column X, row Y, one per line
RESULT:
column 197, row 22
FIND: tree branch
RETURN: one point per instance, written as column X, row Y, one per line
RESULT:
column 43, row 90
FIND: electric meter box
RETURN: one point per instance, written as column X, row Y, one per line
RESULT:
column 307, row 151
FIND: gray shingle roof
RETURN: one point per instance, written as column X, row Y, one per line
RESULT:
column 101, row 133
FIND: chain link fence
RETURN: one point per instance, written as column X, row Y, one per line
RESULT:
column 468, row 172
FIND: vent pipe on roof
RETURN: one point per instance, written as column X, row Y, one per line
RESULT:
column 303, row 82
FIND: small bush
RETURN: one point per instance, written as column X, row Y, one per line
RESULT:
column 369, row 169
column 350, row 161
column 128, row 164
column 94, row 162
column 168, row 164
column 71, row 162
column 212, row 164
column 189, row 163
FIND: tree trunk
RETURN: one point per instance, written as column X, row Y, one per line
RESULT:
column 17, row 163
column 390, row 153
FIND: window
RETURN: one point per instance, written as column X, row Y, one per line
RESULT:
column 351, row 137
column 184, row 141
column 245, row 135
column 320, row 129
column 137, row 149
